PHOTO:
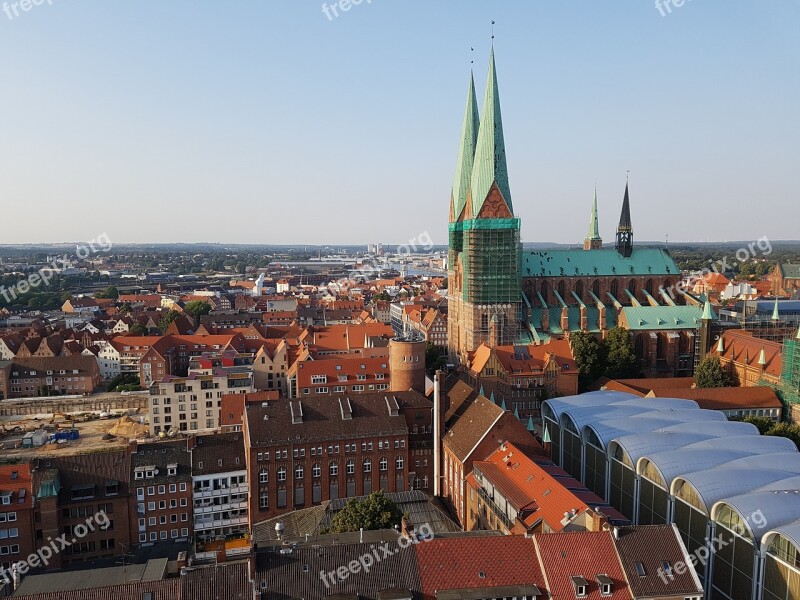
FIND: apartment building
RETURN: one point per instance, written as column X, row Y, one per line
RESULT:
column 193, row 403
column 162, row 482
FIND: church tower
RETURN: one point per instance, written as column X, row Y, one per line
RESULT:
column 593, row 240
column 625, row 229
column 484, row 295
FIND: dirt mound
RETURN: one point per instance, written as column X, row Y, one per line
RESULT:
column 127, row 428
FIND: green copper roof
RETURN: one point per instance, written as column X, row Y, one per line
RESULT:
column 490, row 155
column 708, row 312
column 50, row 484
column 516, row 412
column 604, row 262
column 789, row 270
column 640, row 318
column 594, row 226
column 503, row 404
column 720, row 346
column 466, row 152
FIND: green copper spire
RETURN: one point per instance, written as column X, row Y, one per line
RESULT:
column 708, row 312
column 492, row 398
column 466, row 152
column 516, row 412
column 775, row 314
column 490, row 155
column 594, row 226
column 530, row 424
column 481, row 391
column 503, row 404
column 720, row 346
column 546, row 436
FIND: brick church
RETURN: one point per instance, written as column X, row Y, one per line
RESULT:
column 503, row 295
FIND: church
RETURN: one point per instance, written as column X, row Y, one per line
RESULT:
column 501, row 295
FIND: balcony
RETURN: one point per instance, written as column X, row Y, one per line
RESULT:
column 211, row 493
column 201, row 526
column 218, row 507
column 501, row 516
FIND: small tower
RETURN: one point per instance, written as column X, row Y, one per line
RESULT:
column 593, row 240
column 705, row 330
column 407, row 364
column 625, row 229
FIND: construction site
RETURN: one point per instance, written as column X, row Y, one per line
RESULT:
column 40, row 435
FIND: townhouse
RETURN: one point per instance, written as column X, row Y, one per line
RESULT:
column 161, row 482
column 46, row 376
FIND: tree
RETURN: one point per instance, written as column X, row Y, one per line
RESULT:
column 110, row 292
column 786, row 430
column 589, row 356
column 376, row 511
column 621, row 361
column 434, row 359
column 764, row 424
column 138, row 329
column 197, row 308
column 711, row 374
column 167, row 320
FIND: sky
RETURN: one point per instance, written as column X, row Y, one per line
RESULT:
column 266, row 121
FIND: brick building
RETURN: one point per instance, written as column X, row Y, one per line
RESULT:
column 161, row 481
column 303, row 452
column 44, row 376
column 17, row 522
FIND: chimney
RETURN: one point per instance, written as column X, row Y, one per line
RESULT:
column 438, row 385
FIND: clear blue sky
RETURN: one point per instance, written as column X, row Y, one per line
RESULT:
column 267, row 122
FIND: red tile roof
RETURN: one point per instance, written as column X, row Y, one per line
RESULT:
column 477, row 562
column 15, row 479
column 581, row 554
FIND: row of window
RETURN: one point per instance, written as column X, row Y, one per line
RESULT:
column 151, row 490
column 334, row 449
column 341, row 389
column 8, row 516
column 162, row 504
column 333, row 469
column 162, row 520
column 154, row 535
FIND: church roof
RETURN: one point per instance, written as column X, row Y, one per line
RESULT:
column 789, row 270
column 638, row 318
column 603, row 262
column 466, row 152
column 490, row 156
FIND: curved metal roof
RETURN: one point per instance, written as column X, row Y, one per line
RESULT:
column 608, row 430
column 764, row 511
column 781, row 461
column 678, row 435
column 584, row 415
column 791, row 532
column 790, row 483
column 722, row 482
column 559, row 405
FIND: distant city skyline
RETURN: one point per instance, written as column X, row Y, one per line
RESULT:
column 304, row 123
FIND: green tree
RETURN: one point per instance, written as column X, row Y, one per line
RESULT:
column 434, row 359
column 376, row 511
column 110, row 292
column 711, row 374
column 589, row 356
column 167, row 320
column 786, row 430
column 197, row 308
column 621, row 362
column 764, row 424
column 138, row 329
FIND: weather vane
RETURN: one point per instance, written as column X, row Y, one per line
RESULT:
column 492, row 32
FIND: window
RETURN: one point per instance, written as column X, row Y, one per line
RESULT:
column 640, row 570
column 350, row 467
column 316, row 470
column 384, row 464
column 367, row 466
column 398, row 463
column 183, row 487
column 298, row 472
column 334, row 470
column 263, row 477
column 281, row 473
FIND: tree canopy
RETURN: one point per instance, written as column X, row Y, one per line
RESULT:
column 711, row 374
column 197, row 308
column 376, row 511
column 621, row 362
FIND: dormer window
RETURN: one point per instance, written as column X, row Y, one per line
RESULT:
column 580, row 585
column 604, row 582
column 172, row 470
